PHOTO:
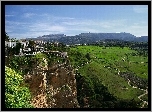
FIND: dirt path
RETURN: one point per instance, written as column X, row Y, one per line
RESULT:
column 144, row 102
column 139, row 97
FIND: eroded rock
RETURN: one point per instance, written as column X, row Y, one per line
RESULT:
column 54, row 88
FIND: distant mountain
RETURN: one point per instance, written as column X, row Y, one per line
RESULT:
column 50, row 37
column 90, row 38
column 142, row 39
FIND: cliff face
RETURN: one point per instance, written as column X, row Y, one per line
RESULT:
column 53, row 86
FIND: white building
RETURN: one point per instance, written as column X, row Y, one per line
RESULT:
column 26, row 49
column 10, row 44
column 24, row 44
column 37, row 48
column 39, row 42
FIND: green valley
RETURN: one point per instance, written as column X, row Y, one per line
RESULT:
column 113, row 68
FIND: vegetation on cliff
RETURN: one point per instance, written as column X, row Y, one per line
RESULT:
column 17, row 95
column 25, row 64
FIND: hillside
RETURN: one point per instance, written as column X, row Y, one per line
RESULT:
column 52, row 84
column 92, row 76
column 90, row 38
column 114, row 69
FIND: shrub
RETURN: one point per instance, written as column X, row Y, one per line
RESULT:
column 16, row 96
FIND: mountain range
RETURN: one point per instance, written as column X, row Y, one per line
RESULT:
column 89, row 38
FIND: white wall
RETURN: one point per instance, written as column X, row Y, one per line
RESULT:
column 23, row 43
column 13, row 44
column 10, row 44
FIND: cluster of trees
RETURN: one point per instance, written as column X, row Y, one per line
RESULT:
column 140, row 47
column 55, row 46
column 98, row 95
column 77, row 58
column 26, row 63
column 6, row 37
column 136, row 81
column 9, row 51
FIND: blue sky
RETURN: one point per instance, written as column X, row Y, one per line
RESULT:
column 25, row 21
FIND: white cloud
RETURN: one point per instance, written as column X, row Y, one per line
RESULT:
column 140, row 9
column 95, row 26
column 9, row 23
column 47, row 24
column 138, row 30
column 9, row 15
column 28, row 15
column 46, row 27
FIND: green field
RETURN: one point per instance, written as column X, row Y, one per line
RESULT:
column 113, row 57
column 105, row 64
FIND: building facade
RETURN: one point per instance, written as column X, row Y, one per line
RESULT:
column 10, row 44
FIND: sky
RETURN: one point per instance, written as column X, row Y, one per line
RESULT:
column 31, row 21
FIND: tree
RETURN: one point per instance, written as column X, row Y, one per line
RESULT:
column 88, row 56
column 6, row 37
column 31, row 45
column 17, row 48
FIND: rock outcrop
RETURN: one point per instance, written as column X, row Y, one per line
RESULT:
column 53, row 86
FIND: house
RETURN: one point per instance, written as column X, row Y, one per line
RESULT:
column 39, row 42
column 26, row 50
column 10, row 44
column 25, row 44
column 38, row 48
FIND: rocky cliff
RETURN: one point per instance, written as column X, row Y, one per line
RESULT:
column 53, row 86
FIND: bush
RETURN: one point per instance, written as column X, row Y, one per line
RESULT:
column 16, row 96
column 23, row 64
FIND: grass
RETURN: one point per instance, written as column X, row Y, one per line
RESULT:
column 114, row 57
column 114, row 83
column 145, row 97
